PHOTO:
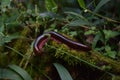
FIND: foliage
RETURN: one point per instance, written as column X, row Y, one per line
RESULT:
column 64, row 74
column 92, row 22
column 14, row 72
column 51, row 5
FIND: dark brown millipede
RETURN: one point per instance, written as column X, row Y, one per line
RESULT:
column 42, row 39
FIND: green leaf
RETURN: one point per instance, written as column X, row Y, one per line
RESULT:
column 112, row 54
column 90, row 31
column 20, row 71
column 73, row 33
column 76, row 14
column 110, row 34
column 100, row 4
column 79, row 22
column 47, row 14
column 7, row 74
column 5, row 2
column 1, row 24
column 109, row 52
column 81, row 3
column 96, row 39
column 51, row 5
column 1, row 28
column 5, row 39
column 63, row 73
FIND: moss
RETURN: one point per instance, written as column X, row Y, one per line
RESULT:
column 73, row 57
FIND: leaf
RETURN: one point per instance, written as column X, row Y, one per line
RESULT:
column 96, row 39
column 51, row 5
column 7, row 74
column 76, row 14
column 89, row 32
column 112, row 54
column 5, row 2
column 20, row 71
column 5, row 39
column 1, row 28
column 109, row 52
column 1, row 24
column 63, row 73
column 110, row 34
column 102, row 35
column 100, row 4
column 79, row 22
column 47, row 14
column 81, row 4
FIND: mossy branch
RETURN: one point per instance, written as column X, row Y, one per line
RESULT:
column 92, row 58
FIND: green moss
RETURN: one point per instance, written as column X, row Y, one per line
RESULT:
column 73, row 57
